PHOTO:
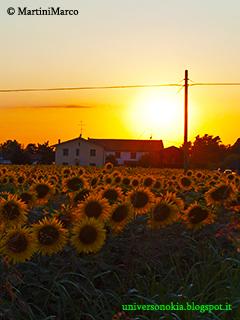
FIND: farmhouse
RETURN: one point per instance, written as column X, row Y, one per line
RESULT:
column 94, row 152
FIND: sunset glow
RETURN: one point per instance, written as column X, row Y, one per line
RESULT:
column 120, row 44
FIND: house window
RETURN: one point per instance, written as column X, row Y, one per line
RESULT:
column 133, row 155
column 92, row 152
column 65, row 152
column 77, row 152
column 92, row 164
column 118, row 155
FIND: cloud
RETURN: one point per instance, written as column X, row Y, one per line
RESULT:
column 51, row 107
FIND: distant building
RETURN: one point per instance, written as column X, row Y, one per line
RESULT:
column 93, row 152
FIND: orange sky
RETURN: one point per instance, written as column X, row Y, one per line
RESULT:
column 123, row 43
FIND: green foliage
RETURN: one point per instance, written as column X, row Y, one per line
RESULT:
column 138, row 266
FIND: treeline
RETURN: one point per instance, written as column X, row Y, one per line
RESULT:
column 204, row 152
column 209, row 152
column 33, row 153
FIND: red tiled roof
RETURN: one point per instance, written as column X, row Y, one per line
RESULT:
column 129, row 145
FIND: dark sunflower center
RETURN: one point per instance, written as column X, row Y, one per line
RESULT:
column 109, row 166
column 93, row 209
column 42, row 190
column 117, row 179
column 197, row 215
column 189, row 173
column 148, row 182
column 17, row 243
column 126, row 181
column 120, row 213
column 221, row 193
column 48, row 235
column 74, row 184
column 161, row 212
column 139, row 199
column 185, row 182
column 88, row 234
column 11, row 210
column 135, row 182
column 110, row 194
column 20, row 180
column 108, row 180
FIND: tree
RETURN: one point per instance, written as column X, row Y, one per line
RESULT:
column 207, row 152
column 46, row 153
column 13, row 151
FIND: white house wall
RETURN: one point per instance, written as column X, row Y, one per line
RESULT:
column 126, row 156
column 84, row 158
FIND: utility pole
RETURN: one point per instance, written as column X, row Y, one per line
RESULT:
column 185, row 145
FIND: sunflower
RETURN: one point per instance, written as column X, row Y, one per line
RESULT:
column 220, row 194
column 18, row 244
column 117, row 179
column 42, row 191
column 197, row 216
column 94, row 207
column 12, row 210
column 141, row 200
column 185, row 183
column 135, row 182
column 74, row 184
column 108, row 179
column 88, row 236
column 148, row 181
column 50, row 235
column 21, row 179
column 111, row 194
column 162, row 214
column 189, row 173
column 126, row 181
column 121, row 215
column 66, row 172
column 108, row 166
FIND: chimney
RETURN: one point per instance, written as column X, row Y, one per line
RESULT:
column 59, row 141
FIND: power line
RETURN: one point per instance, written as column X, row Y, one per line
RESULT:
column 91, row 87
column 122, row 86
column 214, row 84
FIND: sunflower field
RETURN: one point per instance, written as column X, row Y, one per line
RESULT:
column 80, row 242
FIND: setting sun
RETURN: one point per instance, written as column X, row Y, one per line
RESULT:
column 158, row 113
